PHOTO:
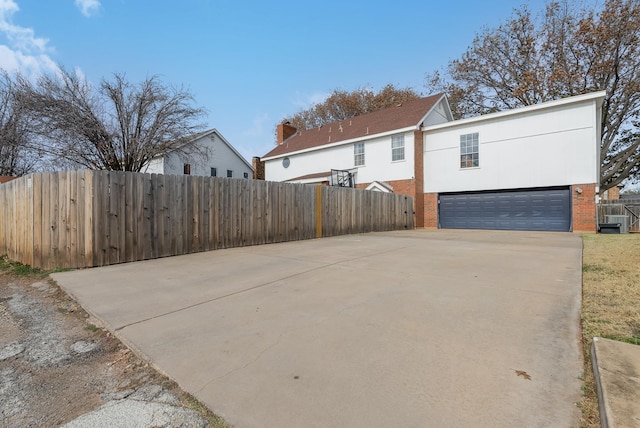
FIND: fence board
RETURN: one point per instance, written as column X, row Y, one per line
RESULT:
column 162, row 215
column 129, row 224
column 94, row 218
column 147, row 209
column 629, row 208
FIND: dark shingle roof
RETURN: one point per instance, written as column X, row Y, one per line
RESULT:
column 402, row 116
column 311, row 176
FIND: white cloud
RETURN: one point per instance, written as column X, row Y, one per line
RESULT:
column 257, row 128
column 24, row 52
column 88, row 7
column 304, row 101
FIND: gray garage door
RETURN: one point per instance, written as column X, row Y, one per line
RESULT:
column 546, row 209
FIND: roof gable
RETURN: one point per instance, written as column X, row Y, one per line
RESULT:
column 598, row 97
column 405, row 115
column 194, row 138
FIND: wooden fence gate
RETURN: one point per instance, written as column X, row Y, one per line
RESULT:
column 622, row 207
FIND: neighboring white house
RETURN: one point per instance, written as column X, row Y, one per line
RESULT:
column 533, row 168
column 207, row 153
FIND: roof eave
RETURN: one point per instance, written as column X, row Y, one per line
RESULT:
column 597, row 96
column 344, row 142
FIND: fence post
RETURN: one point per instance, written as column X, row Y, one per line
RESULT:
column 318, row 211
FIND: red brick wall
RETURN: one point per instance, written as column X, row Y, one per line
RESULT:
column 418, row 168
column 584, row 207
column 430, row 210
column 613, row 194
column 402, row 187
column 258, row 168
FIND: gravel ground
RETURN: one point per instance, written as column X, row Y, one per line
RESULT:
column 58, row 369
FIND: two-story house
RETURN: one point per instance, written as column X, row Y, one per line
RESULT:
column 532, row 168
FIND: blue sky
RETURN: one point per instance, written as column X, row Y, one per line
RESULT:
column 249, row 63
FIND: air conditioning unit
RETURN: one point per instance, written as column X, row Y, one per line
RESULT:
column 622, row 219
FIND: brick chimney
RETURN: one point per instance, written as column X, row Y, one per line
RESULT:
column 258, row 168
column 284, row 131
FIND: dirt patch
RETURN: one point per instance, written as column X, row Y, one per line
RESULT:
column 56, row 365
column 610, row 296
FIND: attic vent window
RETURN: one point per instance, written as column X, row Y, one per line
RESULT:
column 286, row 162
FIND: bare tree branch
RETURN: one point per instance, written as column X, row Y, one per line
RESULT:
column 16, row 154
column 342, row 105
column 568, row 51
column 116, row 126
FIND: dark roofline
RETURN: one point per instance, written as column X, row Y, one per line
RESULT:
column 405, row 116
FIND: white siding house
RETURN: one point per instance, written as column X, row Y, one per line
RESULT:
column 378, row 164
column 549, row 144
column 532, row 168
column 207, row 153
column 385, row 143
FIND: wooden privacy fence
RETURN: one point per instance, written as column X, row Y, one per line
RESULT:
column 73, row 219
column 622, row 207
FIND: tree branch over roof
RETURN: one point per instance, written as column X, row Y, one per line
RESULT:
column 570, row 50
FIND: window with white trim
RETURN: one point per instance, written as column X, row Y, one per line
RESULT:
column 397, row 148
column 358, row 154
column 469, row 155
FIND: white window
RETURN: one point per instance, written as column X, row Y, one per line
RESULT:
column 469, row 151
column 358, row 154
column 397, row 148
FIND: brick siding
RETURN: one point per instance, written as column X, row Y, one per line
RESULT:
column 430, row 210
column 418, row 160
column 613, row 194
column 258, row 168
column 584, row 207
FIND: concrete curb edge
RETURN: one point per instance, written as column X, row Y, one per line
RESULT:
column 602, row 393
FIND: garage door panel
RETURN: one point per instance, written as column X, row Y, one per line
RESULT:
column 537, row 209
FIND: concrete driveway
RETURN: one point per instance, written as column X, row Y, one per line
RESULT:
column 412, row 329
